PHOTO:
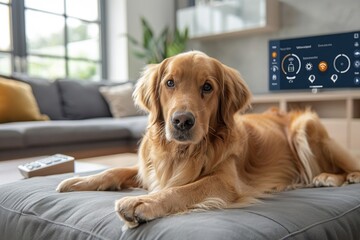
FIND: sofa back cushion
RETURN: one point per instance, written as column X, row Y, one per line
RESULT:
column 82, row 100
column 46, row 95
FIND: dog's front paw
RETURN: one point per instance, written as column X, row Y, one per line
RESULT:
column 353, row 177
column 328, row 180
column 89, row 183
column 136, row 210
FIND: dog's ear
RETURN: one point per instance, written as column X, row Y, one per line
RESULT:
column 145, row 89
column 146, row 93
column 235, row 96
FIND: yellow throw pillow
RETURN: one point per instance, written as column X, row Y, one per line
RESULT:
column 17, row 102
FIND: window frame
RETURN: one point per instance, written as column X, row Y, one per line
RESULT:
column 11, row 51
column 19, row 49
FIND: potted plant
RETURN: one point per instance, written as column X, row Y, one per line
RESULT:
column 154, row 49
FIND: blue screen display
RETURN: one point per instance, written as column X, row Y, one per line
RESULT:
column 327, row 61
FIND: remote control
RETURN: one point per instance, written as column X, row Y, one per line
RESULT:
column 54, row 164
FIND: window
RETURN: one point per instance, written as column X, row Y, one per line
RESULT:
column 55, row 39
column 6, row 49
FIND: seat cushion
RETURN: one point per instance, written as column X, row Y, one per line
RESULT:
column 11, row 138
column 67, row 132
column 33, row 208
column 71, row 131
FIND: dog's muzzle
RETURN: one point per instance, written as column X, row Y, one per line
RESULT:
column 182, row 122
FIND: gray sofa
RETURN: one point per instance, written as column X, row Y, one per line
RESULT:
column 32, row 209
column 81, row 123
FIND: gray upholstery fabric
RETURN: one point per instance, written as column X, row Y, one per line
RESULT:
column 11, row 138
column 82, row 100
column 46, row 94
column 36, row 133
column 31, row 209
column 80, row 149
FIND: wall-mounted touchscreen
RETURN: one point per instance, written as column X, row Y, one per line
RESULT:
column 327, row 61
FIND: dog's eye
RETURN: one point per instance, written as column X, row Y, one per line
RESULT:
column 207, row 88
column 170, row 83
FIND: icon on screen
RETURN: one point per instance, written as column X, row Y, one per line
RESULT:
column 357, row 80
column 357, row 64
column 309, row 66
column 291, row 67
column 323, row 66
column 334, row 77
column 357, row 53
column 312, row 78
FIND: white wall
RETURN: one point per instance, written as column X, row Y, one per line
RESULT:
column 159, row 14
column 117, row 47
column 123, row 16
column 247, row 54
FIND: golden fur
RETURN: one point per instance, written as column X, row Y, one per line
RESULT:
column 199, row 152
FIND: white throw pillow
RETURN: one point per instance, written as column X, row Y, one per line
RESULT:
column 120, row 100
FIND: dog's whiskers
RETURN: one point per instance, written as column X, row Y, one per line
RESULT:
column 212, row 132
column 201, row 110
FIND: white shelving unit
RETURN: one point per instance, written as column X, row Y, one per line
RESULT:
column 217, row 19
column 338, row 110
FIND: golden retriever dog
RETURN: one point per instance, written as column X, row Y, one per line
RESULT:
column 200, row 152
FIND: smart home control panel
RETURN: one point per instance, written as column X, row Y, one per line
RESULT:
column 327, row 61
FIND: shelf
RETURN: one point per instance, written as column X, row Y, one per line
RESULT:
column 324, row 108
column 259, row 108
column 339, row 111
column 356, row 108
column 337, row 129
column 355, row 135
column 208, row 20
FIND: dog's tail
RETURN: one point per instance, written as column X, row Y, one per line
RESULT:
column 315, row 150
column 305, row 130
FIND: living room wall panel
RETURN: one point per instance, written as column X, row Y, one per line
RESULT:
column 248, row 54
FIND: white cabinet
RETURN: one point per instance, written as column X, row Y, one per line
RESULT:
column 338, row 110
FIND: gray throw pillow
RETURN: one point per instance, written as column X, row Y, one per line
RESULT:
column 82, row 100
column 46, row 94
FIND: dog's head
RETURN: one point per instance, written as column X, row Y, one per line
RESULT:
column 191, row 95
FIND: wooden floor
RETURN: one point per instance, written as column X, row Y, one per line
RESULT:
column 9, row 169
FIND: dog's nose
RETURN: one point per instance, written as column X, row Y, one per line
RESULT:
column 183, row 120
